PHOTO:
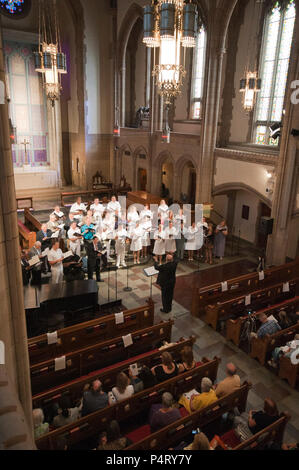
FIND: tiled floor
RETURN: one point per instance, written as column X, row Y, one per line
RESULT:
column 209, row 343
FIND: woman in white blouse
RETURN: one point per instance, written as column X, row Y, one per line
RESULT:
column 133, row 217
column 136, row 244
column 191, row 244
column 159, row 247
column 122, row 390
column 163, row 211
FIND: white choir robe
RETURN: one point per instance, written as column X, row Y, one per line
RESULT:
column 191, row 243
column 133, row 217
column 120, row 246
column 170, row 235
column 147, row 226
column 108, row 224
column 75, row 247
column 159, row 247
column 56, row 269
column 163, row 211
column 76, row 208
column 114, row 207
column 136, row 236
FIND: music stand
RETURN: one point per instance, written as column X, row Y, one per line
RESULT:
column 127, row 289
column 150, row 272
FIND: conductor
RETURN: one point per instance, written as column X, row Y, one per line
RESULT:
column 166, row 280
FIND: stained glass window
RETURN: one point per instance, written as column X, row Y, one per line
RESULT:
column 28, row 109
column 275, row 59
column 15, row 8
column 198, row 74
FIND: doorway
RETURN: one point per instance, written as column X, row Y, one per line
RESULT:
column 264, row 211
column 142, row 179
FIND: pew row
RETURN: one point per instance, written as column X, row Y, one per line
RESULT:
column 258, row 299
column 241, row 285
column 27, row 238
column 234, row 327
column 289, row 369
column 31, row 222
column 177, row 431
column 44, row 374
column 261, row 348
column 96, row 422
column 107, row 375
column 88, row 333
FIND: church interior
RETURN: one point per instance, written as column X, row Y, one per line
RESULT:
column 149, row 225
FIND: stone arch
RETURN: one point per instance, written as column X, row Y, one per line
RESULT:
column 141, row 165
column 125, row 164
column 185, row 178
column 227, row 187
column 164, row 159
column 134, row 13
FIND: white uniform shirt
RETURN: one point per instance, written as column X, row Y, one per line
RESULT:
column 113, row 207
column 163, row 211
column 78, row 207
column 54, row 255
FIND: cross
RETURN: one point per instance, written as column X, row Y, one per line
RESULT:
column 25, row 143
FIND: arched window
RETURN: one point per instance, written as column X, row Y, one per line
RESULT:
column 198, row 74
column 274, row 65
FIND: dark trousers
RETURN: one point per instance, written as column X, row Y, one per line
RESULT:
column 167, row 296
column 93, row 266
column 36, row 277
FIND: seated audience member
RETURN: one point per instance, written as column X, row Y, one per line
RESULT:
column 286, row 351
column 268, row 327
column 230, row 383
column 94, row 399
column 40, row 427
column 200, row 442
column 201, row 400
column 66, row 414
column 135, row 380
column 188, row 361
column 44, row 236
column 293, row 446
column 112, row 440
column 167, row 369
column 122, row 390
column 251, row 423
column 148, row 378
column 165, row 414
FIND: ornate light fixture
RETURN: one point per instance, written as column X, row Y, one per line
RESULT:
column 250, row 86
column 50, row 61
column 168, row 25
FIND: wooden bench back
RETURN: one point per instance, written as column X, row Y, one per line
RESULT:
column 94, row 423
column 108, row 375
column 289, row 370
column 234, row 327
column 177, row 431
column 86, row 360
column 27, row 238
column 241, row 285
column 31, row 222
column 259, row 299
column 261, row 347
column 88, row 333
column 273, row 433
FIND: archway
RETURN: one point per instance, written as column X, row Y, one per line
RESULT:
column 167, row 178
column 185, row 177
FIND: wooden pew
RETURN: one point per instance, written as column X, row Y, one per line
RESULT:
column 259, row 299
column 241, row 285
column 83, row 361
column 288, row 370
column 91, row 194
column 234, row 327
column 177, row 431
column 107, row 375
column 273, row 433
column 27, row 238
column 262, row 347
column 88, row 333
column 94, row 423
column 31, row 222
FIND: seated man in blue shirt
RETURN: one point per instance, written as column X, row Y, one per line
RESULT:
column 94, row 399
column 269, row 326
column 88, row 230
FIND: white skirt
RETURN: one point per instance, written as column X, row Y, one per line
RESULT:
column 159, row 247
column 136, row 245
column 170, row 245
column 146, row 241
column 191, row 245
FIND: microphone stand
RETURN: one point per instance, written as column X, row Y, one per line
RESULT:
column 127, row 289
column 116, row 284
column 108, row 283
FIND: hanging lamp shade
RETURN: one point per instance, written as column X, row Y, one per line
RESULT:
column 38, row 62
column 258, row 84
column 243, row 84
column 167, row 21
column 47, row 60
column 61, row 62
column 149, row 35
column 189, row 25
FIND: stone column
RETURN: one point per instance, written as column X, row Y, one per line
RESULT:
column 210, row 122
column 12, row 315
column 282, row 205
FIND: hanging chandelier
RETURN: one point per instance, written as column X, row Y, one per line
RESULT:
column 250, row 86
column 168, row 25
column 50, row 61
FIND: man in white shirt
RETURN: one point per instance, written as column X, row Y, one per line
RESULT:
column 78, row 209
column 108, row 225
column 114, row 207
column 120, row 245
column 75, row 239
column 55, row 258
